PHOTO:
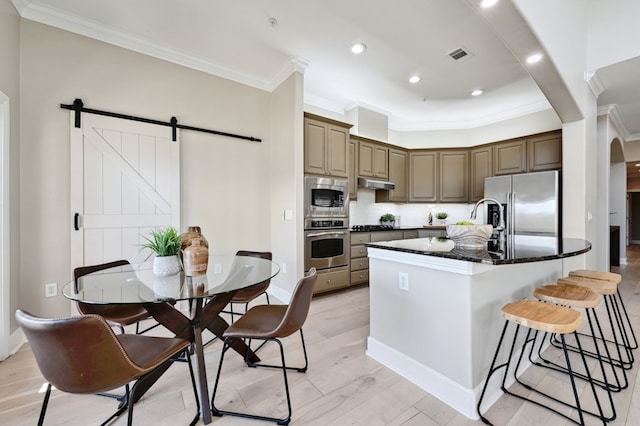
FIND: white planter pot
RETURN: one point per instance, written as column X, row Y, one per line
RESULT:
column 163, row 266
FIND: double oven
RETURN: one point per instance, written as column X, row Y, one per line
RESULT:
column 326, row 224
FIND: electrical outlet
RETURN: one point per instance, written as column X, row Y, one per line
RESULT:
column 284, row 268
column 51, row 290
column 217, row 268
column 403, row 281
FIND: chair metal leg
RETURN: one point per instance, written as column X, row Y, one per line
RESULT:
column 506, row 365
column 605, row 384
column 624, row 309
column 283, row 366
column 45, row 402
column 618, row 333
column 493, row 369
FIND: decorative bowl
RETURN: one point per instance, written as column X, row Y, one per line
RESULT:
column 469, row 236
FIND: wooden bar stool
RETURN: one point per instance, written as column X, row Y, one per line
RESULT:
column 620, row 336
column 540, row 316
column 610, row 277
column 573, row 296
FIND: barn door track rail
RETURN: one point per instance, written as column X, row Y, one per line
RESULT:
column 78, row 107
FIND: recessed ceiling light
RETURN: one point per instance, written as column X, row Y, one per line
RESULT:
column 477, row 92
column 488, row 3
column 536, row 57
column 358, row 48
column 414, row 79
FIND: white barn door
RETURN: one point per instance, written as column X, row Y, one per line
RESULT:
column 125, row 181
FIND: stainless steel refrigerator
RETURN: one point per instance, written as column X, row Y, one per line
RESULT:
column 533, row 202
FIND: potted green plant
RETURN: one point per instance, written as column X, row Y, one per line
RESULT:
column 442, row 217
column 387, row 219
column 166, row 244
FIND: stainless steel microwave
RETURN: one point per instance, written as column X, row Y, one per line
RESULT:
column 326, row 197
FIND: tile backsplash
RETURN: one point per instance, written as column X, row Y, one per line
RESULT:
column 365, row 211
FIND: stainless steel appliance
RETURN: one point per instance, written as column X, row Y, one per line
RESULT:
column 326, row 243
column 326, row 198
column 532, row 203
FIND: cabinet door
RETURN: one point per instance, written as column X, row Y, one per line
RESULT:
column 386, row 236
column 407, row 235
column 397, row 175
column 545, row 152
column 315, row 147
column 353, row 164
column 423, row 176
column 366, row 153
column 454, row 176
column 510, row 158
column 481, row 166
column 337, row 139
column 381, row 162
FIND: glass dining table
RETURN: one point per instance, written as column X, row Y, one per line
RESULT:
column 205, row 296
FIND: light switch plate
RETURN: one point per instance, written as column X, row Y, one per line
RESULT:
column 403, row 281
column 51, row 290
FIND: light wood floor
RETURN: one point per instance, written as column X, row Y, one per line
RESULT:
column 342, row 386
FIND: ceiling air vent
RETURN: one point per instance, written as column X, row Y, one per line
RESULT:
column 459, row 54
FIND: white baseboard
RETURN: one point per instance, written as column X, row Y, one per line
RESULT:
column 451, row 393
column 280, row 294
column 16, row 340
column 463, row 400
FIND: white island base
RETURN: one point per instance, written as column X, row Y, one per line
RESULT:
column 440, row 331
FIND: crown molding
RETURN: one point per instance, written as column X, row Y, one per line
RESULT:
column 594, row 82
column 75, row 24
column 612, row 112
column 296, row 64
column 405, row 126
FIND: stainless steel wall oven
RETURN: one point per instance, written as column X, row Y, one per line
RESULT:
column 326, row 231
column 326, row 243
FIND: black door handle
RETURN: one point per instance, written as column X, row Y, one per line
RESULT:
column 76, row 221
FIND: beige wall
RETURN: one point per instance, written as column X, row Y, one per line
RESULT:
column 10, row 87
column 226, row 185
column 287, row 183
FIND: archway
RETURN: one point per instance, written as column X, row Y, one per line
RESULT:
column 618, row 205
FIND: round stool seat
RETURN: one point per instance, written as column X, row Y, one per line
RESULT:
column 597, row 286
column 542, row 316
column 597, row 275
column 568, row 295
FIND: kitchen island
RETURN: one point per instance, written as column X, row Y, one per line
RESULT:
column 435, row 310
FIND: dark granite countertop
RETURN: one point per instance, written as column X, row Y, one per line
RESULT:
column 522, row 249
column 403, row 228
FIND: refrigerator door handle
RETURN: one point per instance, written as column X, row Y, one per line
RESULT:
column 508, row 212
column 512, row 228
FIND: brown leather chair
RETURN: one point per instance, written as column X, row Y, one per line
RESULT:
column 271, row 323
column 116, row 315
column 246, row 295
column 82, row 355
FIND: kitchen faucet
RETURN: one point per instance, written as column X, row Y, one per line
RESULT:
column 501, row 225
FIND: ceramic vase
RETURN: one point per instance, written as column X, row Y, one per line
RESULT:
column 192, row 233
column 164, row 266
column 196, row 258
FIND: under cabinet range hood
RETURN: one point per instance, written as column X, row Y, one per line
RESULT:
column 375, row 184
